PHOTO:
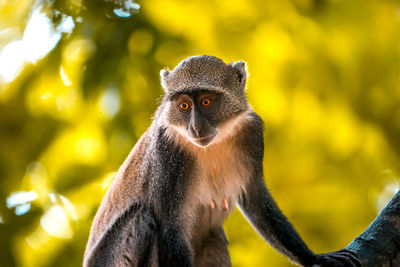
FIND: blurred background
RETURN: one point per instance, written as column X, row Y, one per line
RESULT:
column 79, row 82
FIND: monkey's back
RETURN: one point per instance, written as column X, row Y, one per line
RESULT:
column 123, row 192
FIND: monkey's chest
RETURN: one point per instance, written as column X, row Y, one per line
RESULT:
column 219, row 177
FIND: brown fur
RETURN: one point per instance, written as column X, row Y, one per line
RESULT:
column 122, row 186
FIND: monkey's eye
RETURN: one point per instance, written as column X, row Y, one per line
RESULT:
column 184, row 106
column 206, row 102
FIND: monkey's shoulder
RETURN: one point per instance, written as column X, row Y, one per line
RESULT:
column 123, row 189
column 250, row 138
column 254, row 125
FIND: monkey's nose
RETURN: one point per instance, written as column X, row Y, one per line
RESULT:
column 194, row 132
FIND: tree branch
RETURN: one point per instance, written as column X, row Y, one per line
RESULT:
column 379, row 244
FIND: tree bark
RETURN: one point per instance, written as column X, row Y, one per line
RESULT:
column 379, row 244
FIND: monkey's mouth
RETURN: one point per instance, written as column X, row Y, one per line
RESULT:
column 203, row 141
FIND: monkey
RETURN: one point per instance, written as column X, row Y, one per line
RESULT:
column 200, row 158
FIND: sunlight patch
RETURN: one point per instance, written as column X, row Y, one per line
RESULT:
column 21, row 202
column 109, row 102
column 55, row 223
column 129, row 8
column 38, row 40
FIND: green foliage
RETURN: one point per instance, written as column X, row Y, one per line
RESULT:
column 324, row 76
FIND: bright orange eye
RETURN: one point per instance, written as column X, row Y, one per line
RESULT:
column 206, row 102
column 184, row 106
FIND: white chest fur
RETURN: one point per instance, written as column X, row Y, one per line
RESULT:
column 220, row 175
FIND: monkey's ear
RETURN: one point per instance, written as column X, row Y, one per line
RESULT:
column 240, row 68
column 164, row 73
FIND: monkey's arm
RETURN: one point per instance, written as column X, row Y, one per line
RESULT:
column 130, row 241
column 136, row 239
column 261, row 210
column 263, row 213
column 174, row 249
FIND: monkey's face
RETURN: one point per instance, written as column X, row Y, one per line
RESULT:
column 196, row 115
column 203, row 94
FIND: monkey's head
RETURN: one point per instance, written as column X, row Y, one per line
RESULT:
column 203, row 94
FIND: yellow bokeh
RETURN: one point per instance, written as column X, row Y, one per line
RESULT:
column 79, row 82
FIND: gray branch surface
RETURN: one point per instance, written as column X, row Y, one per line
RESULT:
column 379, row 244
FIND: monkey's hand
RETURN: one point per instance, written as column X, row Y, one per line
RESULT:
column 340, row 258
